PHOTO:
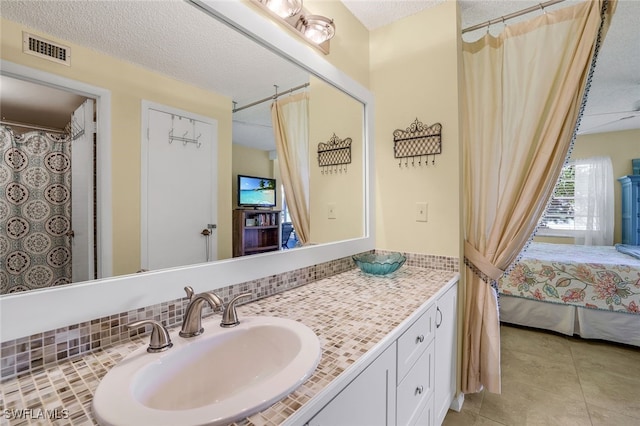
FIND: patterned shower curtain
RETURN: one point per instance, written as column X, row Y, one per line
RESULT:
column 35, row 210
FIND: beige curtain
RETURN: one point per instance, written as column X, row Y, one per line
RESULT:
column 523, row 93
column 290, row 117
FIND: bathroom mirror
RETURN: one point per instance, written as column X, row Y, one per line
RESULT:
column 84, row 301
column 229, row 72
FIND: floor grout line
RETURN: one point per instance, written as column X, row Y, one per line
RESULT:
column 575, row 366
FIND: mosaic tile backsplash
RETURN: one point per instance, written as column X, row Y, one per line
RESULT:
column 58, row 370
column 33, row 352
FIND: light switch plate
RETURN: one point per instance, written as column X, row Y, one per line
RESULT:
column 331, row 210
column 421, row 212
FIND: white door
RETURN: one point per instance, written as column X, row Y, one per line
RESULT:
column 179, row 188
column 82, row 242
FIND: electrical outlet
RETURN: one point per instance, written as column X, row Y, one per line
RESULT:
column 331, row 210
column 421, row 212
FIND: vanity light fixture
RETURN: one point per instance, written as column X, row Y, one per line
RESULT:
column 317, row 30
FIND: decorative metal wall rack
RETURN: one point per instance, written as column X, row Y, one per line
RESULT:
column 417, row 140
column 334, row 155
column 184, row 139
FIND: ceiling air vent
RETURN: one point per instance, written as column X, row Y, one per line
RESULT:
column 43, row 48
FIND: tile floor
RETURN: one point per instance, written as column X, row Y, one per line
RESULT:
column 549, row 379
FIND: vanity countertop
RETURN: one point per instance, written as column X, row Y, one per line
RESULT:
column 350, row 312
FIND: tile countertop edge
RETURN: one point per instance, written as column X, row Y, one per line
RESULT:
column 305, row 413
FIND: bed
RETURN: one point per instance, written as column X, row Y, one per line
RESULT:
column 590, row 291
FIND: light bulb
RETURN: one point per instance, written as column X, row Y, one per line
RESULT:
column 284, row 8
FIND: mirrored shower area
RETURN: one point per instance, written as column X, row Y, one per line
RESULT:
column 38, row 133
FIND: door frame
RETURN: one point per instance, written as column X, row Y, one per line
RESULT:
column 102, row 98
column 144, row 168
column 82, row 194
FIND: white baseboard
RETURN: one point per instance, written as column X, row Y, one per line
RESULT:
column 456, row 404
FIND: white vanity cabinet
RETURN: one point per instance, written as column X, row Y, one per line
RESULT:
column 412, row 382
column 369, row 400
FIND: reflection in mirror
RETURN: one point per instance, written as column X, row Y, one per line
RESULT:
column 338, row 189
column 198, row 71
column 120, row 130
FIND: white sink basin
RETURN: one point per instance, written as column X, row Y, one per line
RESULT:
column 221, row 376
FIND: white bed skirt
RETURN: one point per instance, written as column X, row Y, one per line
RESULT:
column 571, row 320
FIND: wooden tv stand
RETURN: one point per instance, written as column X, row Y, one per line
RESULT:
column 255, row 231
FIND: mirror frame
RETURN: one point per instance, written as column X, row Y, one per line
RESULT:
column 24, row 314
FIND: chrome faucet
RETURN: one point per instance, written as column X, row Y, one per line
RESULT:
column 192, row 322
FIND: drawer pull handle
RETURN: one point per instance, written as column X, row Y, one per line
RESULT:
column 419, row 390
column 438, row 311
column 420, row 338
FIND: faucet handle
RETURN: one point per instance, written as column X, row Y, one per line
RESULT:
column 190, row 293
column 230, row 316
column 160, row 339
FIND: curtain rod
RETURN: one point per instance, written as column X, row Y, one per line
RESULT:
column 32, row 126
column 490, row 22
column 274, row 97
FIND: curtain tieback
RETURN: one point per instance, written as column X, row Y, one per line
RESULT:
column 482, row 263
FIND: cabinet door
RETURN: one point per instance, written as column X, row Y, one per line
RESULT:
column 630, row 213
column 445, row 352
column 426, row 418
column 369, row 400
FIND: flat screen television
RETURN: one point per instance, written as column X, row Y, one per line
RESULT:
column 256, row 191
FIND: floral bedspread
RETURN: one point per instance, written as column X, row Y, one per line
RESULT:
column 597, row 277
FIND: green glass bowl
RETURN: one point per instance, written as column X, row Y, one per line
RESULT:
column 379, row 264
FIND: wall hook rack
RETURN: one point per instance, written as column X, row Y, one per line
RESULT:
column 417, row 141
column 184, row 139
column 75, row 129
column 334, row 155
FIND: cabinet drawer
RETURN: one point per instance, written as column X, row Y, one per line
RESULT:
column 414, row 341
column 416, row 390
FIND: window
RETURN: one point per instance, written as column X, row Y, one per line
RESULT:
column 560, row 213
column 582, row 203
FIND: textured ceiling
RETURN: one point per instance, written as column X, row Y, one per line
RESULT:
column 178, row 40
column 378, row 13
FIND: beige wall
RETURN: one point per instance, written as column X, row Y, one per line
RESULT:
column 414, row 74
column 129, row 85
column 332, row 112
column 350, row 46
column 621, row 147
